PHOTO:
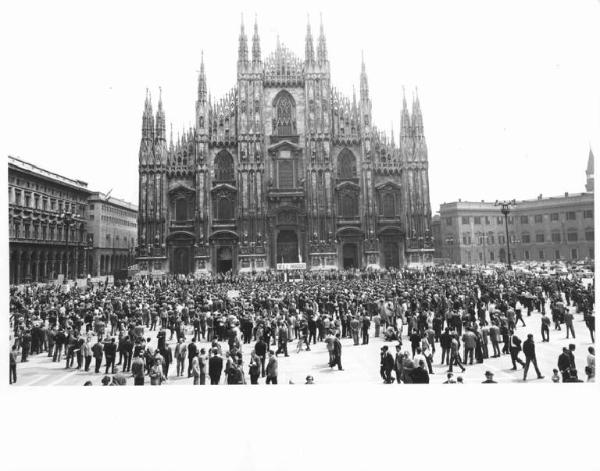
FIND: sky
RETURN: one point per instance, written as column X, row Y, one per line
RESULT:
column 509, row 90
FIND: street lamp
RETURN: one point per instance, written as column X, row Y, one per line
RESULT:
column 68, row 219
column 450, row 241
column 505, row 210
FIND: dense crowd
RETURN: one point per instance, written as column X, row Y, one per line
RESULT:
column 201, row 324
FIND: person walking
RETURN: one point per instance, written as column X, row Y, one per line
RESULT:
column 110, row 354
column 261, row 350
column 494, row 339
column 254, row 368
column 515, row 347
column 195, row 366
column 590, row 368
column 529, row 352
column 455, row 355
column 272, row 368
column 203, row 364
column 86, row 351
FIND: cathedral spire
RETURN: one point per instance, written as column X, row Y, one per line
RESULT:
column 322, row 45
column 364, row 83
column 589, row 172
column 147, row 118
column 255, row 44
column 309, row 50
column 202, row 81
column 243, row 48
column 404, row 118
column 417, row 117
column 160, row 133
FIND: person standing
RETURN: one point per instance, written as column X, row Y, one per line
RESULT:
column 98, row 351
column 180, row 354
column 12, row 373
column 86, row 351
column 455, row 354
column 110, row 354
column 366, row 325
column 469, row 341
column 545, row 328
column 203, row 364
column 568, row 318
column 261, row 350
column 137, row 370
column 494, row 338
column 254, row 368
column 398, row 363
column 419, row 374
column 272, row 368
column 156, row 373
column 192, row 352
column 386, row 365
column 337, row 352
column 355, row 329
column 167, row 354
column 590, row 368
column 446, row 343
column 282, row 340
column 529, row 352
column 195, row 369
column 215, row 367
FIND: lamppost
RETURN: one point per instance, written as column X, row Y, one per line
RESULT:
column 450, row 241
column 68, row 219
column 505, row 210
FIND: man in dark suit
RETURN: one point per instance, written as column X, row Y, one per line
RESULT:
column 215, row 367
column 272, row 368
column 387, row 365
column 529, row 352
column 446, row 343
column 110, row 353
column 515, row 348
column 337, row 352
column 261, row 350
column 98, row 351
column 192, row 352
column 564, row 364
column 419, row 374
column 167, row 354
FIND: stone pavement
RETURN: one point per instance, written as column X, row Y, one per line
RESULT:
column 361, row 363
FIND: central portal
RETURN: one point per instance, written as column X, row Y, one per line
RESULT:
column 350, row 256
column 224, row 259
column 182, row 260
column 287, row 247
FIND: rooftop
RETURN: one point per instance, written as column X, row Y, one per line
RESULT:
column 107, row 199
column 29, row 167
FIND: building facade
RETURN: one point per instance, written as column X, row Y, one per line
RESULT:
column 542, row 229
column 283, row 169
column 111, row 234
column 46, row 220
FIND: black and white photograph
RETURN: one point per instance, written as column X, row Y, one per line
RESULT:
column 380, row 199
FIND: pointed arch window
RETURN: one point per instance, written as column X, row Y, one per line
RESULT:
column 284, row 121
column 224, row 167
column 224, row 207
column 349, row 205
column 346, row 165
column 389, row 205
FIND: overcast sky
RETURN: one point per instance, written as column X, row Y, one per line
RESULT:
column 509, row 89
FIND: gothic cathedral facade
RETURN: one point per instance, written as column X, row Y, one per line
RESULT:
column 282, row 170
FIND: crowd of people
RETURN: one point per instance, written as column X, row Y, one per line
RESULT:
column 202, row 324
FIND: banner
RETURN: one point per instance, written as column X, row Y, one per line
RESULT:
column 291, row 266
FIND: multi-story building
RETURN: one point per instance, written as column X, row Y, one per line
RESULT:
column 541, row 229
column 283, row 169
column 46, row 220
column 111, row 234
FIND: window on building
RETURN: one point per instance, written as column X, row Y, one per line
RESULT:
column 538, row 218
column 27, row 200
column 557, row 255
column 501, row 239
column 181, row 209
column 346, row 165
column 45, row 204
column 591, row 252
column 588, row 214
column 524, row 219
column 91, row 207
column 539, row 237
column 540, row 255
column 91, row 217
column 553, row 217
column 448, row 221
column 526, row 254
column 572, row 236
column 18, row 197
column 490, row 238
column 487, row 220
column 574, row 254
column 525, row 238
column 285, row 173
column 480, row 256
column 589, row 234
column 36, row 201
column 511, row 220
column 389, row 205
column 499, row 220
column 476, row 220
column 556, row 237
column 492, row 256
column 284, row 120
column 224, row 167
column 225, row 209
column 571, row 216
column 465, row 219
